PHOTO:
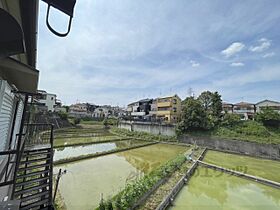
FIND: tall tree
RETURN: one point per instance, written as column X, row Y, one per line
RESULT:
column 193, row 115
column 206, row 99
column 216, row 105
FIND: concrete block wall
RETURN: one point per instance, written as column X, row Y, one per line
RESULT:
column 153, row 128
column 270, row 151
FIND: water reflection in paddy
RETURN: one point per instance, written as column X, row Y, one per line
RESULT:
column 214, row 190
column 67, row 152
column 82, row 186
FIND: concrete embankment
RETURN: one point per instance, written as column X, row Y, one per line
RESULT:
column 269, row 151
column 153, row 128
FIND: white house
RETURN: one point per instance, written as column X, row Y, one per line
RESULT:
column 268, row 103
column 46, row 99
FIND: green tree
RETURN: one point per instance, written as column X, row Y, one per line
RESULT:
column 216, row 106
column 193, row 116
column 206, row 99
column 269, row 117
column 231, row 120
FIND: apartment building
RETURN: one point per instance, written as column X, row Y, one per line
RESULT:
column 168, row 108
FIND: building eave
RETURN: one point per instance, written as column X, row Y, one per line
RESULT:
column 23, row 76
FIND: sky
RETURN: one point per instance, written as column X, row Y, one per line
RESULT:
column 120, row 51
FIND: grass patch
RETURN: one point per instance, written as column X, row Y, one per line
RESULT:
column 142, row 135
column 251, row 131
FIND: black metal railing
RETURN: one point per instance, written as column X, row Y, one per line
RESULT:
column 39, row 134
column 31, row 135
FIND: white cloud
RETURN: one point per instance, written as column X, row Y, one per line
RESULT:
column 264, row 44
column 233, row 49
column 194, row 63
column 237, row 64
column 267, row 55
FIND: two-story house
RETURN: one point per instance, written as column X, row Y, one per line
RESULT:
column 268, row 103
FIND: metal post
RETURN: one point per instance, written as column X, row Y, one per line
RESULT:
column 51, row 167
column 56, row 184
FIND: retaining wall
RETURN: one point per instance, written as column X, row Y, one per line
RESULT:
column 153, row 128
column 270, row 151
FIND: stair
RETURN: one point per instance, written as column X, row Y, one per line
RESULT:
column 34, row 179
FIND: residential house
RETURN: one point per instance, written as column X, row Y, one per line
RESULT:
column 139, row 109
column 79, row 110
column 268, row 103
column 102, row 112
column 45, row 101
column 227, row 108
column 245, row 110
column 168, row 108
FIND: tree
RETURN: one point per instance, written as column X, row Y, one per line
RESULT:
column 193, row 116
column 269, row 117
column 212, row 104
column 206, row 99
column 231, row 120
column 216, row 105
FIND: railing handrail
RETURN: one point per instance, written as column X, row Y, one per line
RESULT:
column 38, row 124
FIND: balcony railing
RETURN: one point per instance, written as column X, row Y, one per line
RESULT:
column 32, row 135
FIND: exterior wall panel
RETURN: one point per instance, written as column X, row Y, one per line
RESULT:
column 6, row 113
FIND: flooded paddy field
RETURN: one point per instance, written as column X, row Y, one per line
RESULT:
column 87, row 180
column 75, row 151
column 213, row 190
column 264, row 168
column 70, row 136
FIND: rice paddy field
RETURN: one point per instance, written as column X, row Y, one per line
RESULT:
column 268, row 169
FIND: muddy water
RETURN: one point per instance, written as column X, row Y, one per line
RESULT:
column 86, row 181
column 213, row 190
column 67, row 152
column 268, row 169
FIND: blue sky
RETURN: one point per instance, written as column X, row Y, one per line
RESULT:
column 119, row 51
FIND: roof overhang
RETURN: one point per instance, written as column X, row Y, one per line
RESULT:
column 24, row 77
column 11, row 36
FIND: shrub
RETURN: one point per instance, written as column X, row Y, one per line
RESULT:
column 230, row 120
column 252, row 128
column 269, row 117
